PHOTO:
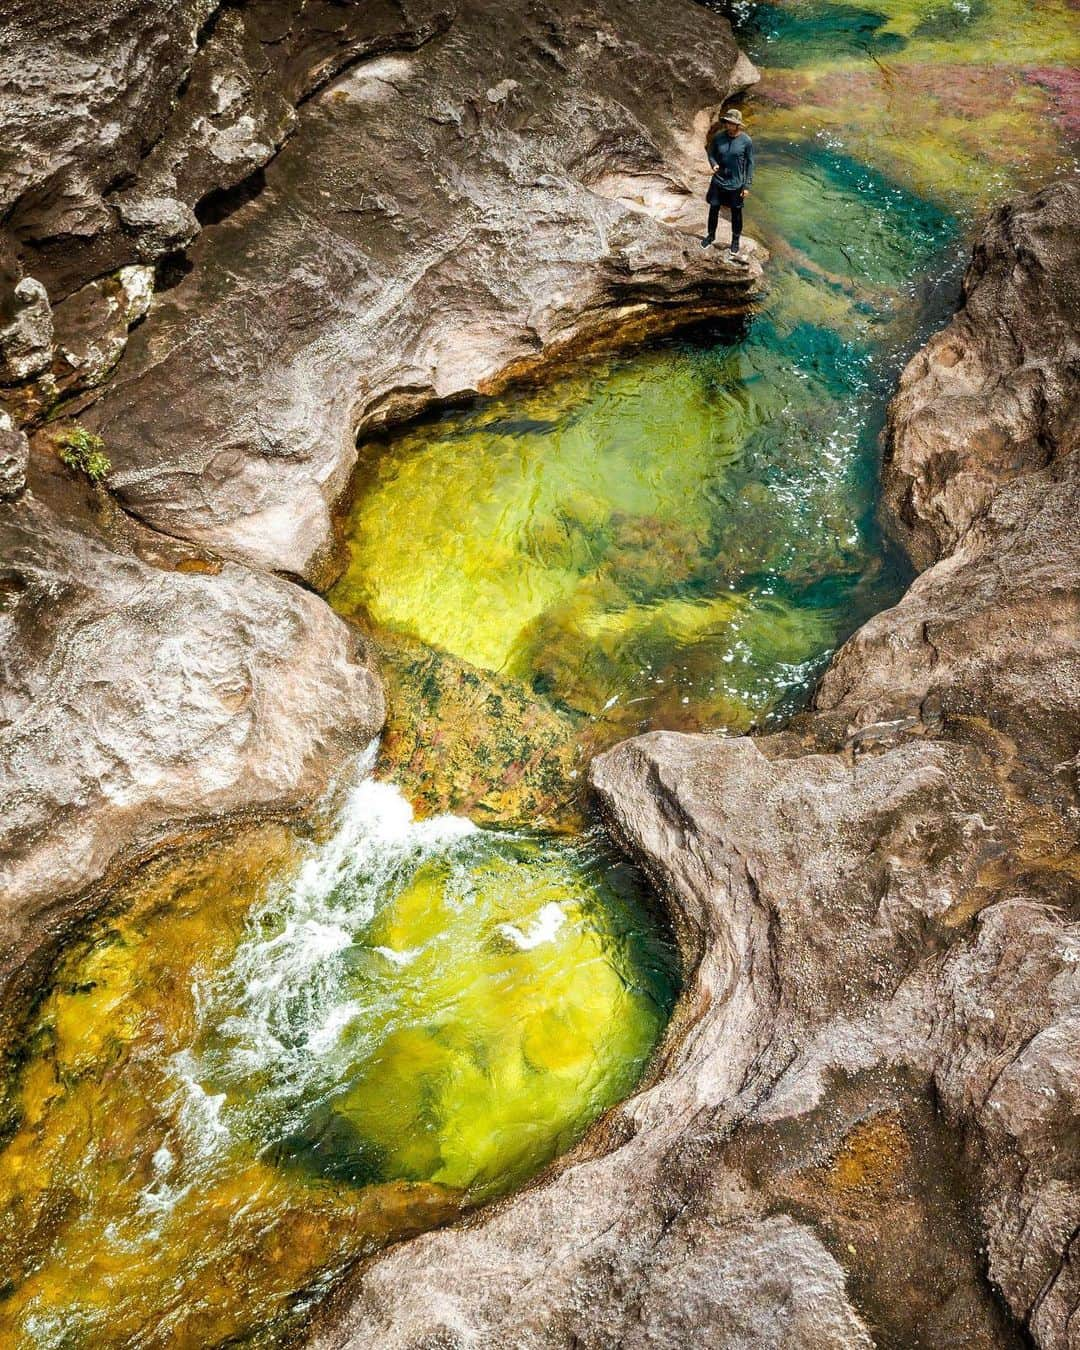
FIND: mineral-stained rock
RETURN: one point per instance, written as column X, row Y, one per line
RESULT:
column 993, row 395
column 142, row 686
column 441, row 216
column 981, row 467
column 875, row 1065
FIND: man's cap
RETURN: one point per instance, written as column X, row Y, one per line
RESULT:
column 733, row 115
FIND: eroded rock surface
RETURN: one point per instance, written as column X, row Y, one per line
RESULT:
column 866, row 1129
column 144, row 688
column 124, row 121
column 992, row 396
column 441, row 216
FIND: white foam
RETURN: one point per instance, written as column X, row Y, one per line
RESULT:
column 405, row 958
column 544, row 928
column 282, row 1023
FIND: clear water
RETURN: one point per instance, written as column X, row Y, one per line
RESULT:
column 275, row 1053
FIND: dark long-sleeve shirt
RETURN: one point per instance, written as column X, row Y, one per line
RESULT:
column 732, row 158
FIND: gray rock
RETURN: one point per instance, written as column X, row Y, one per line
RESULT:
column 91, row 326
column 14, row 457
column 981, row 466
column 121, row 119
column 416, row 240
column 87, row 88
column 26, row 331
column 144, row 688
column 158, row 224
column 993, row 395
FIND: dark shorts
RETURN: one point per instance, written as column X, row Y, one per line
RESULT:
column 720, row 196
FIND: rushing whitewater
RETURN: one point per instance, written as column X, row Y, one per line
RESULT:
column 287, row 1022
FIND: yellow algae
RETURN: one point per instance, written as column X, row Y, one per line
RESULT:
column 943, row 98
column 606, row 545
column 270, row 1056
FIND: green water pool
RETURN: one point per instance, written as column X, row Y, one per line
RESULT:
column 682, row 535
column 273, row 1054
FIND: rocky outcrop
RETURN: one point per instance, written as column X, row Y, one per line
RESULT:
column 865, row 1126
column 146, row 688
column 442, row 216
column 992, row 396
column 124, row 123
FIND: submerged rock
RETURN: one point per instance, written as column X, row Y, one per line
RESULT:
column 463, row 740
column 442, row 217
column 143, row 687
column 864, row 1129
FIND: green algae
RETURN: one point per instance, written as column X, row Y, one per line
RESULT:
column 274, row 1055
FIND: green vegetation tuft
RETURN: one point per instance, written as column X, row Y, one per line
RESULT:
column 81, row 450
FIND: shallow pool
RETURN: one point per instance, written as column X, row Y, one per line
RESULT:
column 275, row 1054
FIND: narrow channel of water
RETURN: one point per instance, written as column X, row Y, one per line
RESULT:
column 274, row 1052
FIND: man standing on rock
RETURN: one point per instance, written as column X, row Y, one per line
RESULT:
column 731, row 154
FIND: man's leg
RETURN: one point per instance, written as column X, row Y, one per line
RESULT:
column 736, row 221
column 710, row 233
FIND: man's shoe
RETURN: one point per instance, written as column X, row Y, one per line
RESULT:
column 709, row 239
column 734, row 250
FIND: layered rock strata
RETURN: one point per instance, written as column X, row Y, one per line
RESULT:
column 865, row 1129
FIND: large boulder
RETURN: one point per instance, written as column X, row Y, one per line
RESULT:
column 865, row 1124
column 443, row 216
column 145, row 689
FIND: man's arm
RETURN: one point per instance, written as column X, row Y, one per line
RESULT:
column 710, row 151
column 748, row 157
